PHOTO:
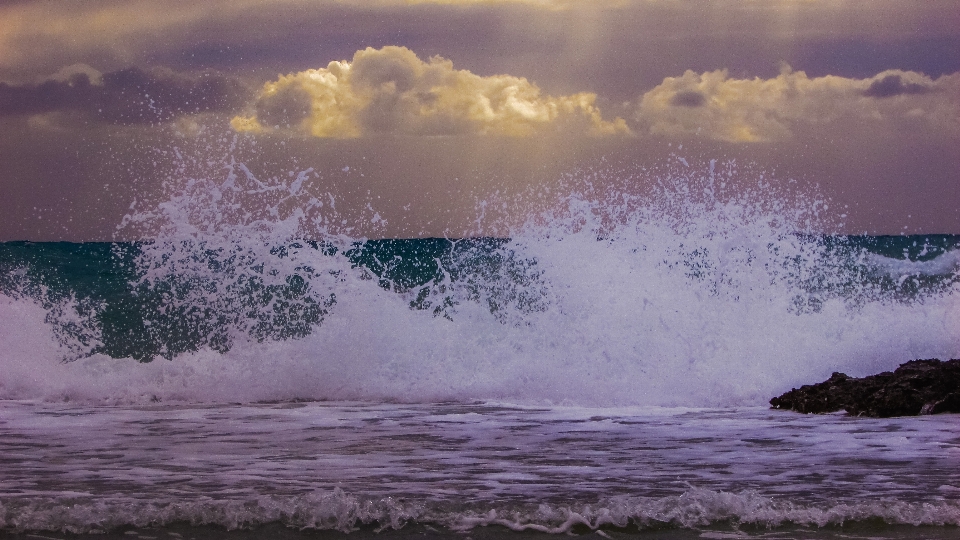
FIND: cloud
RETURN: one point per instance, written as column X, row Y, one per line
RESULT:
column 716, row 106
column 893, row 85
column 390, row 90
column 688, row 98
column 566, row 46
column 545, row 4
column 127, row 96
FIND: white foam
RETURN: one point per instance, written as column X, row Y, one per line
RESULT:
column 686, row 300
column 29, row 351
column 337, row 510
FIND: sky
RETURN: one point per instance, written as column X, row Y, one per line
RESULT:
column 429, row 111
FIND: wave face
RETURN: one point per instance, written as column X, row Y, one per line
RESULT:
column 696, row 294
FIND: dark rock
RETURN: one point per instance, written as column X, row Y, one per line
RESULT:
column 917, row 387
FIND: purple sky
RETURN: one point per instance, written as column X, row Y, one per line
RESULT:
column 434, row 105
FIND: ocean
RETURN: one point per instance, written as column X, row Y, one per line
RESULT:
column 249, row 370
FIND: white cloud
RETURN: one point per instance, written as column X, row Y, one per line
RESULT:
column 716, row 106
column 390, row 90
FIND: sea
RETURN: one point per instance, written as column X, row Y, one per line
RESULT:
column 249, row 368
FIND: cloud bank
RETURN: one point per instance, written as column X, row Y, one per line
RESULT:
column 391, row 90
column 713, row 105
column 545, row 4
column 126, row 96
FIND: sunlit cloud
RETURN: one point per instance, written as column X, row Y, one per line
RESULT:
column 391, row 90
column 548, row 4
column 716, row 106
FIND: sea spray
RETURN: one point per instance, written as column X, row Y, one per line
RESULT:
column 72, row 318
column 714, row 285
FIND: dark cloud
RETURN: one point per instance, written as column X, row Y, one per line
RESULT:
column 137, row 96
column 606, row 50
column 289, row 37
column 688, row 98
column 127, row 96
column 75, row 93
column 861, row 57
column 893, row 85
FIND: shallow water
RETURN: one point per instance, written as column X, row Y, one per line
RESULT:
column 462, row 468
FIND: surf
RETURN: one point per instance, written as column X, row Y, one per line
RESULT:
column 715, row 286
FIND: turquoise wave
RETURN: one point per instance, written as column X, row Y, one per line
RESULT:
column 122, row 314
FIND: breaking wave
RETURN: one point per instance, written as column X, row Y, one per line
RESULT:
column 337, row 510
column 715, row 287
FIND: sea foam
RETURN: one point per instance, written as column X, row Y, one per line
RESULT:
column 337, row 510
column 716, row 288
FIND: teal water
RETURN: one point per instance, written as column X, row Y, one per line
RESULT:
column 135, row 319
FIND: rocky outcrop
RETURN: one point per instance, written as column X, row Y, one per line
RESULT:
column 917, row 387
